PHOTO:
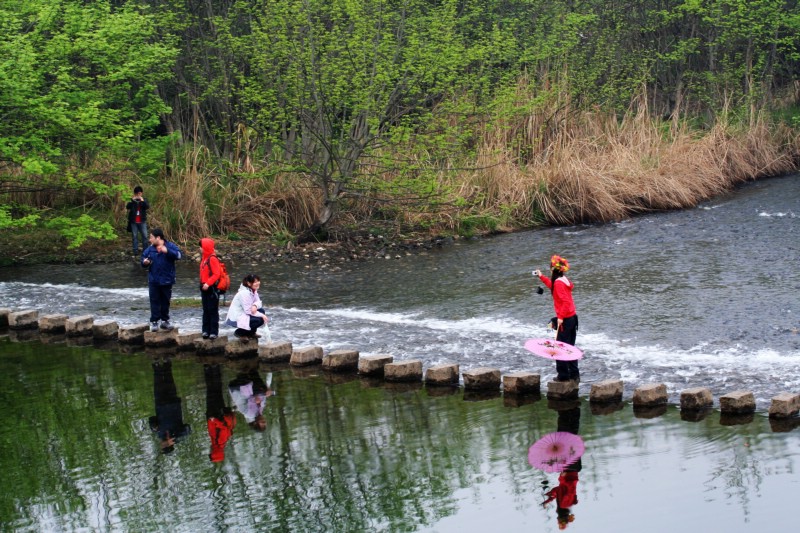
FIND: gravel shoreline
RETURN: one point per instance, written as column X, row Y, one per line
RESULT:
column 322, row 254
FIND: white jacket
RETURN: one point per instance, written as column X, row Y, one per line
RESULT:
column 239, row 310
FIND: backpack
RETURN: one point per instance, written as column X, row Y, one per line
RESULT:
column 224, row 281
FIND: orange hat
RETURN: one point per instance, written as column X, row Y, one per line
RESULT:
column 559, row 263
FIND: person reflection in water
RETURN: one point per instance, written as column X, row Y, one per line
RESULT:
column 167, row 423
column 250, row 393
column 566, row 494
column 220, row 418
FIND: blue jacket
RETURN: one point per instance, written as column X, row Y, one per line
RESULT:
column 162, row 266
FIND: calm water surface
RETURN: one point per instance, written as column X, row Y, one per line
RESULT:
column 342, row 454
column 703, row 297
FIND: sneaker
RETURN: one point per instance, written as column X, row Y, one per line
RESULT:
column 166, row 325
column 212, row 336
column 206, row 335
column 153, row 326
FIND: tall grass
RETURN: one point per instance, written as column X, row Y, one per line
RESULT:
column 597, row 166
column 539, row 159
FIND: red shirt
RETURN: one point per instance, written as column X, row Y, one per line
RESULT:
column 562, row 296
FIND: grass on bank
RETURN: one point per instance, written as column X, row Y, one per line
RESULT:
column 549, row 165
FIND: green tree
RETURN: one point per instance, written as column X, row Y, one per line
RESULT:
column 77, row 83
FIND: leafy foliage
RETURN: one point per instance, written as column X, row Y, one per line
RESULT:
column 373, row 102
column 77, row 231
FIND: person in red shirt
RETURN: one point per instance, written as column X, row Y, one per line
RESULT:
column 566, row 323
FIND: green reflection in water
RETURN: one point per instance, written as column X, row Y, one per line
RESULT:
column 347, row 454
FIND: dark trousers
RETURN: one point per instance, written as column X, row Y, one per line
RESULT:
column 567, row 334
column 255, row 323
column 160, row 295
column 210, row 300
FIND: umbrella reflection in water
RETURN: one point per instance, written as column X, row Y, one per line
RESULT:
column 561, row 452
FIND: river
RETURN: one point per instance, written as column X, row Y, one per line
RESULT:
column 704, row 297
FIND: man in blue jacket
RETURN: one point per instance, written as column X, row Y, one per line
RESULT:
column 160, row 258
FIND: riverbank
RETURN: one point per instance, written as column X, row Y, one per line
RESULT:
column 41, row 246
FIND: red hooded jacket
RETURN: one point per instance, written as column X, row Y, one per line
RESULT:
column 210, row 270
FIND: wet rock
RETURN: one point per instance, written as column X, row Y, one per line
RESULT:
column 161, row 338
column 445, row 374
column 522, row 383
column 80, row 326
column 607, row 391
column 27, row 319
column 481, row 379
column 209, row 346
column 105, row 330
column 650, row 395
column 562, row 390
column 737, row 402
column 275, row 352
column 309, row 355
column 696, row 398
column 403, row 371
column 340, row 360
column 241, row 348
column 53, row 323
column 133, row 334
column 784, row 405
column 373, row 365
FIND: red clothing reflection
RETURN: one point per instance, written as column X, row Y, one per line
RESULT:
column 220, row 431
column 565, row 494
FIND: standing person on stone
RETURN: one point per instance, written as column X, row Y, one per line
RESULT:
column 210, row 272
column 566, row 322
column 137, row 218
column 160, row 259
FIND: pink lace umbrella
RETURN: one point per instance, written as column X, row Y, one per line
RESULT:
column 556, row 451
column 553, row 350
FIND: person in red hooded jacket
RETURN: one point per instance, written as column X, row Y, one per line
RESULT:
column 566, row 322
column 210, row 271
column 220, row 418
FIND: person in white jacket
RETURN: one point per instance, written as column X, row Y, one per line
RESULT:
column 246, row 312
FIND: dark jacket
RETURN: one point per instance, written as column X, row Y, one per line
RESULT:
column 131, row 207
column 162, row 266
